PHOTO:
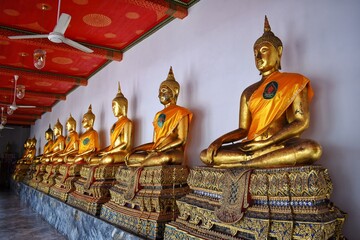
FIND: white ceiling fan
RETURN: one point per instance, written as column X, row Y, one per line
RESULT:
column 13, row 106
column 57, row 35
column 3, row 120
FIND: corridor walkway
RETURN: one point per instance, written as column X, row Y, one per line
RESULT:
column 18, row 222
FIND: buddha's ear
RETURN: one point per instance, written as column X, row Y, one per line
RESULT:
column 280, row 49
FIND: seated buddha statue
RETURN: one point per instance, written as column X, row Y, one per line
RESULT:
column 171, row 126
column 27, row 145
column 31, row 152
column 49, row 136
column 120, row 134
column 71, row 142
column 58, row 145
column 274, row 112
column 88, row 141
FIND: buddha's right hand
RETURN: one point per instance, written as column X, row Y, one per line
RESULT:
column 213, row 149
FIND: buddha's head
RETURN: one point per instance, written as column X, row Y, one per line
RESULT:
column 58, row 128
column 70, row 124
column 268, row 51
column 33, row 142
column 27, row 143
column 49, row 134
column 88, row 118
column 169, row 89
column 119, row 104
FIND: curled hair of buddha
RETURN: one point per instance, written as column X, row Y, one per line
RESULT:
column 268, row 36
column 58, row 125
column 90, row 115
column 171, row 83
column 71, row 121
column 49, row 131
column 120, row 98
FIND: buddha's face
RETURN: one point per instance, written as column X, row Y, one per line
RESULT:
column 116, row 108
column 70, row 126
column 267, row 57
column 165, row 95
column 87, row 122
column 57, row 131
column 48, row 136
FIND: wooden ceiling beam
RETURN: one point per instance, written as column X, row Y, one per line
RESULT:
column 35, row 75
column 100, row 52
column 170, row 8
column 55, row 96
column 17, row 115
column 19, row 122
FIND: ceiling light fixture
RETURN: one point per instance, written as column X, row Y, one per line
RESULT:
column 39, row 58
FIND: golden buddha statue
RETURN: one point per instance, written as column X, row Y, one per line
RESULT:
column 71, row 142
column 274, row 112
column 120, row 134
column 49, row 136
column 30, row 155
column 27, row 145
column 88, row 141
column 58, row 145
column 171, row 126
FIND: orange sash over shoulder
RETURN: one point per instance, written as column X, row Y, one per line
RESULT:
column 167, row 120
column 48, row 146
column 272, row 98
column 72, row 138
column 116, row 130
column 58, row 141
column 89, row 140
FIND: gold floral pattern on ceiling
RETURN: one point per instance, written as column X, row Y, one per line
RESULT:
column 62, row 60
column 97, row 20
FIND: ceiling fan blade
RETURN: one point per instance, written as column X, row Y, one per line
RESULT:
column 77, row 45
column 29, row 36
column 25, row 106
column 8, row 128
column 62, row 23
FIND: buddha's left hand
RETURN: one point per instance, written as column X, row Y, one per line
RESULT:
column 254, row 145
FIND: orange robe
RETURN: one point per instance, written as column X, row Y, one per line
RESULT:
column 89, row 140
column 167, row 120
column 272, row 98
column 72, row 138
column 48, row 147
column 58, row 141
column 116, row 129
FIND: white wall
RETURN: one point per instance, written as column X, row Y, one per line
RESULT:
column 211, row 54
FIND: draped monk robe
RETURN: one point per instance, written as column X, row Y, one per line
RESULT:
column 116, row 130
column 167, row 120
column 89, row 140
column 72, row 138
column 59, row 140
column 272, row 98
column 48, row 147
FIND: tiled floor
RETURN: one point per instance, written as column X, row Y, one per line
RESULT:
column 18, row 222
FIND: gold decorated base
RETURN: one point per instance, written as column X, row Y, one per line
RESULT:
column 284, row 203
column 92, row 189
column 38, row 175
column 30, row 173
column 143, row 200
column 64, row 182
column 20, row 172
column 52, row 171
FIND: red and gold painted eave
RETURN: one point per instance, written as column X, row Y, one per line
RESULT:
column 108, row 27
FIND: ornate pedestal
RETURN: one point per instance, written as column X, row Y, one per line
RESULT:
column 20, row 171
column 30, row 173
column 68, row 175
column 92, row 189
column 38, row 175
column 52, row 171
column 284, row 203
column 143, row 200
